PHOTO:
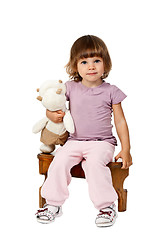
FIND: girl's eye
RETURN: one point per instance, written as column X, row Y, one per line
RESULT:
column 97, row 61
column 83, row 62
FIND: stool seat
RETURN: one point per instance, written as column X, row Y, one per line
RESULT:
column 118, row 177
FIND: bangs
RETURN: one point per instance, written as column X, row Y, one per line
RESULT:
column 88, row 46
column 89, row 54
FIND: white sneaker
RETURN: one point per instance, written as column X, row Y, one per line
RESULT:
column 48, row 213
column 106, row 216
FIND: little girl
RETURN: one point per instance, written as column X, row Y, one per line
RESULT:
column 91, row 102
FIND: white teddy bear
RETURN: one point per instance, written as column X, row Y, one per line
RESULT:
column 52, row 96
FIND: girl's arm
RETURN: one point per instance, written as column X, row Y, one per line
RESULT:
column 123, row 134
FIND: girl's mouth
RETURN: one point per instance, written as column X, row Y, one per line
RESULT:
column 92, row 73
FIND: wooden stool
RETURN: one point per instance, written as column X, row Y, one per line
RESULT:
column 118, row 177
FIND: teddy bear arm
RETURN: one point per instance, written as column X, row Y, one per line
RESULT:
column 40, row 125
column 68, row 122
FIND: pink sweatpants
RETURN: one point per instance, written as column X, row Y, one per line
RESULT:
column 96, row 155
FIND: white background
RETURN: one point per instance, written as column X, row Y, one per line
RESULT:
column 36, row 37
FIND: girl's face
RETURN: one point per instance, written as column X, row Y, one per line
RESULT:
column 91, row 70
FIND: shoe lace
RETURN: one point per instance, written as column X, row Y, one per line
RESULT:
column 41, row 210
column 107, row 212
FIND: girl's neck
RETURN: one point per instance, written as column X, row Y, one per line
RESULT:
column 92, row 84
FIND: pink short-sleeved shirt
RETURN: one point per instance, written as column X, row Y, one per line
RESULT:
column 91, row 109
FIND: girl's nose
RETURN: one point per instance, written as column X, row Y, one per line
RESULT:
column 91, row 66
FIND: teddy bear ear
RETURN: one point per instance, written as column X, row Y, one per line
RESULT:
column 60, row 81
column 59, row 90
column 39, row 98
column 37, row 89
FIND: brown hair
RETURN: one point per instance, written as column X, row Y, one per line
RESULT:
column 84, row 47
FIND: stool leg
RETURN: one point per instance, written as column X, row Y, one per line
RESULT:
column 122, row 200
column 42, row 200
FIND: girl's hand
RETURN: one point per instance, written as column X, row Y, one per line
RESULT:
column 56, row 117
column 126, row 158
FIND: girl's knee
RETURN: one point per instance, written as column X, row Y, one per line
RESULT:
column 100, row 159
